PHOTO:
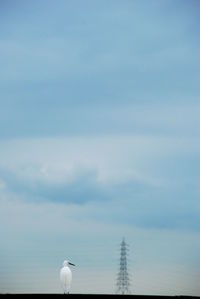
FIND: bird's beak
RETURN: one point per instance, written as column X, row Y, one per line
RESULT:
column 71, row 264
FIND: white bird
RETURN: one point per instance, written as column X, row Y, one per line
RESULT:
column 66, row 276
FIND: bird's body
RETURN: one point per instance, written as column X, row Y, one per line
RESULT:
column 66, row 276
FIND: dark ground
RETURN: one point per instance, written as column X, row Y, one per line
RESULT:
column 97, row 296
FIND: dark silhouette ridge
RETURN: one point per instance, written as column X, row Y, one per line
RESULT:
column 103, row 296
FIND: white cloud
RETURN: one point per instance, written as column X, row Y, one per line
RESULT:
column 141, row 176
column 2, row 184
column 113, row 158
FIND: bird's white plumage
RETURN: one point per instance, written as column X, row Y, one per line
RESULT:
column 66, row 277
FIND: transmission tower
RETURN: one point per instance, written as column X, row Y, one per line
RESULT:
column 123, row 276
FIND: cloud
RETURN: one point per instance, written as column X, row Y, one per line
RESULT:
column 99, row 122
column 81, row 188
column 173, row 116
column 133, row 179
column 108, row 53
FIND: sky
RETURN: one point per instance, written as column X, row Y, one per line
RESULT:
column 99, row 140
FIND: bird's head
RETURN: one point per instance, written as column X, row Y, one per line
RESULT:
column 67, row 263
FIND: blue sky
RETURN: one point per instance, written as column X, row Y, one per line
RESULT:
column 99, row 127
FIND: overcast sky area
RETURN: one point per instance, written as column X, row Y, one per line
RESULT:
column 99, row 140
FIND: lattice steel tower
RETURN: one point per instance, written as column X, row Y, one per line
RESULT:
column 123, row 282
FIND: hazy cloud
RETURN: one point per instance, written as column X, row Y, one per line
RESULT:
column 99, row 130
